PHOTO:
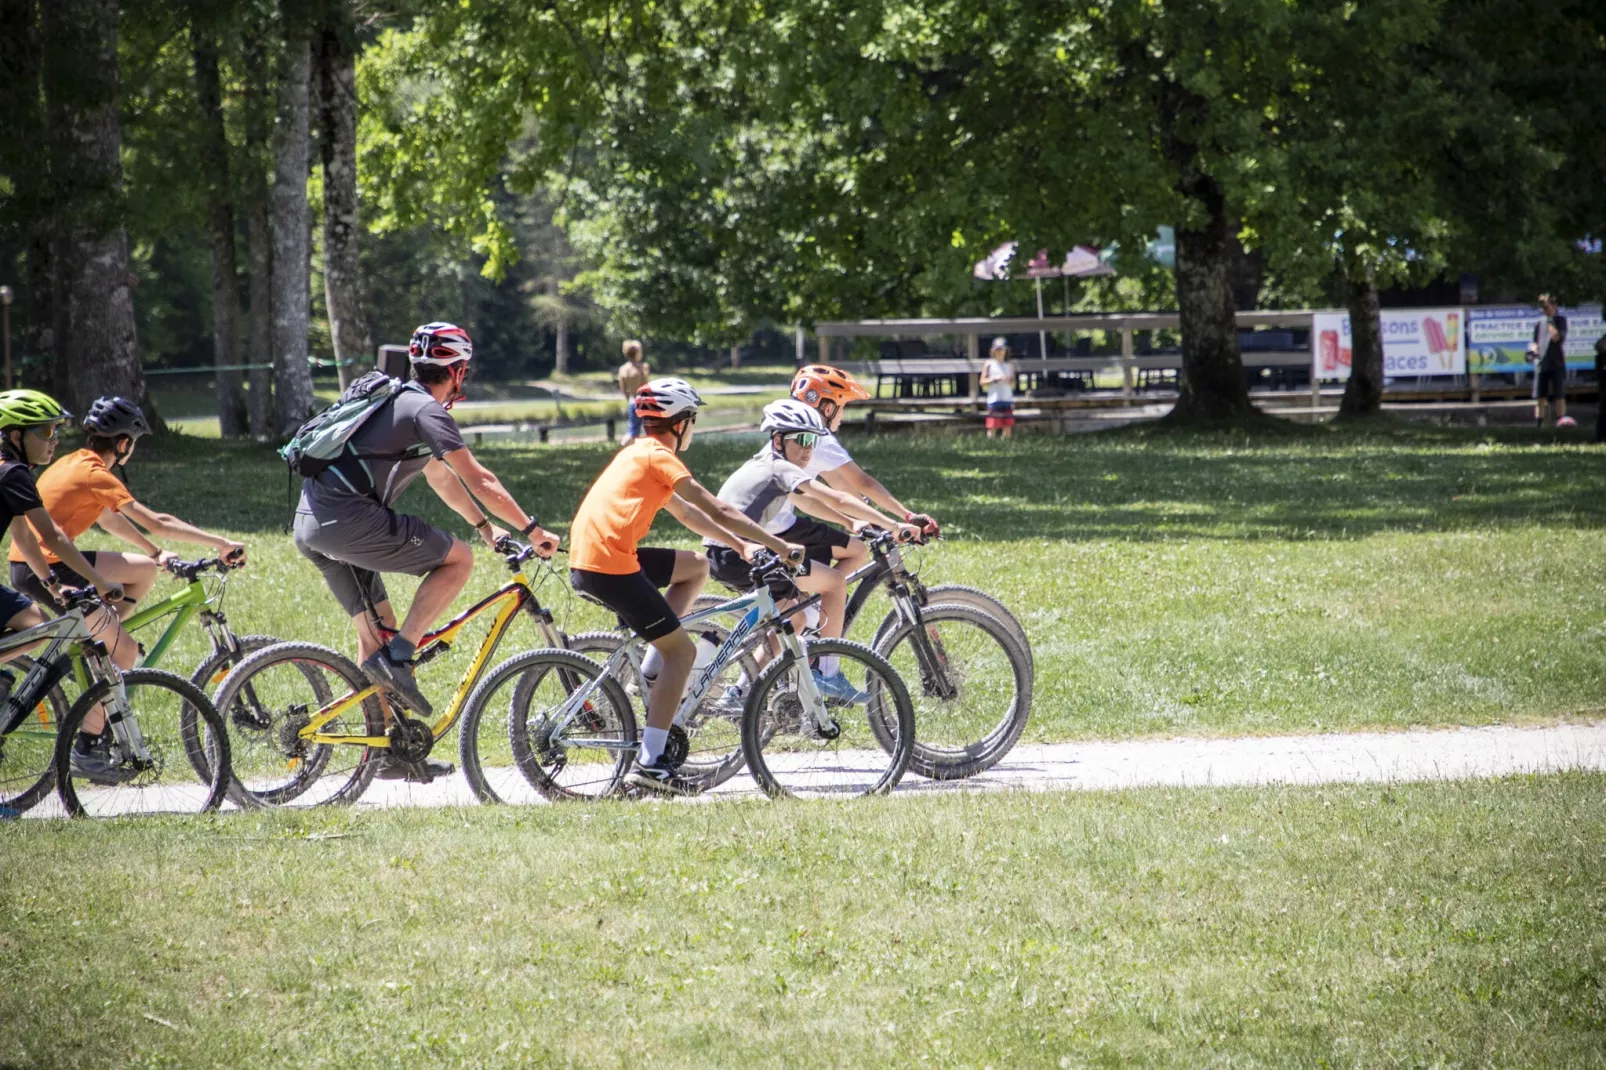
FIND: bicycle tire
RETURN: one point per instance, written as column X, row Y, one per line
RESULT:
column 157, row 721
column 1000, row 700
column 713, row 758
column 535, row 761
column 207, row 676
column 959, row 594
column 779, row 753
column 264, row 742
column 28, row 761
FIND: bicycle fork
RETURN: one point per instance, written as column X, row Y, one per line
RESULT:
column 120, row 719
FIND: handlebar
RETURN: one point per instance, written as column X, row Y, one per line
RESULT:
column 770, row 571
column 881, row 536
column 190, row 570
column 516, row 553
column 74, row 597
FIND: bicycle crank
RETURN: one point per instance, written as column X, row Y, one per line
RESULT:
column 410, row 738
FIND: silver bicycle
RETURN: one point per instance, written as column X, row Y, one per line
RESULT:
column 137, row 762
column 556, row 724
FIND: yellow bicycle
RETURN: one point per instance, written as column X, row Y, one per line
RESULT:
column 307, row 726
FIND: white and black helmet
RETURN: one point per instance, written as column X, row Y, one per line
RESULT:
column 788, row 416
column 667, row 399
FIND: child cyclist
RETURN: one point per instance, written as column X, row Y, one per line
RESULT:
column 774, row 478
column 828, row 390
column 607, row 564
column 80, row 491
column 29, row 425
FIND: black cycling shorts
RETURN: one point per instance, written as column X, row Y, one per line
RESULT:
column 821, row 540
column 727, row 566
column 23, row 579
column 635, row 597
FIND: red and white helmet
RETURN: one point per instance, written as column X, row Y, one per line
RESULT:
column 667, row 399
column 440, row 343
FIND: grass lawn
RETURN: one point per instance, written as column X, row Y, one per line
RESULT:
column 1432, row 925
column 1171, row 584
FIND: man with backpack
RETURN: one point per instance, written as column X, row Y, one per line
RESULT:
column 358, row 457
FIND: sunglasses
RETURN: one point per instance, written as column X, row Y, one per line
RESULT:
column 806, row 439
column 46, row 431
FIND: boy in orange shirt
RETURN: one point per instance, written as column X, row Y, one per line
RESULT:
column 80, row 491
column 607, row 565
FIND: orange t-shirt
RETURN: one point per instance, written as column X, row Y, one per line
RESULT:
column 76, row 490
column 620, row 506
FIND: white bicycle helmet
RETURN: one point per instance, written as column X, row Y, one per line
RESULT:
column 786, row 417
column 440, row 343
column 667, row 399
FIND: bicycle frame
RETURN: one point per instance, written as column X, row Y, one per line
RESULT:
column 184, row 605
column 509, row 601
column 759, row 617
column 886, row 567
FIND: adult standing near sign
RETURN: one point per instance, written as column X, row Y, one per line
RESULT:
column 998, row 376
column 633, row 375
column 1547, row 352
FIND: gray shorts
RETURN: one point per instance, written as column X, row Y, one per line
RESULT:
column 352, row 540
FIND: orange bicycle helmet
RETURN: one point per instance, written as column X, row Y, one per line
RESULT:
column 821, row 382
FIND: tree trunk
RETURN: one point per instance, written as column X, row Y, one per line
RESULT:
column 101, row 346
column 1363, row 394
column 736, row 357
column 25, row 159
column 292, row 295
column 1212, row 385
column 214, row 160
column 259, row 242
column 562, row 365
column 342, row 273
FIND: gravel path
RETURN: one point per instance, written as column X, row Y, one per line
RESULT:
column 1372, row 757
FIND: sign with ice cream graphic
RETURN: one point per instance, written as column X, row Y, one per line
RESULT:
column 1416, row 341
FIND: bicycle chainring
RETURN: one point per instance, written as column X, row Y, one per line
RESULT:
column 410, row 738
column 678, row 747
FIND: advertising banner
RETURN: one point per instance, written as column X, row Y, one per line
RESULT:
column 1498, row 338
column 1416, row 341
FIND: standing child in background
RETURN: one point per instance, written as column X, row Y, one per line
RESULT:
column 1547, row 352
column 998, row 376
column 633, row 375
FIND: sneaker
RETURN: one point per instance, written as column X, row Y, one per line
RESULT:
column 398, row 676
column 660, row 778
column 730, row 703
column 392, row 768
column 97, row 767
column 838, row 688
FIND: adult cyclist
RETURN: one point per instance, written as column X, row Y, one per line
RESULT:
column 346, row 524
column 608, row 565
column 828, row 390
column 30, row 423
column 81, row 491
column 775, row 478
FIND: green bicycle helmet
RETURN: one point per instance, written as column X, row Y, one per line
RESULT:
column 29, row 408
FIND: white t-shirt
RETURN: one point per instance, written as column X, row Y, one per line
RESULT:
column 1000, row 390
column 828, row 457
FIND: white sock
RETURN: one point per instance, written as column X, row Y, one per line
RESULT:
column 653, row 741
column 830, row 664
column 652, row 663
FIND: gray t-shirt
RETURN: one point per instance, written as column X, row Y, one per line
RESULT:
column 759, row 489
column 413, row 424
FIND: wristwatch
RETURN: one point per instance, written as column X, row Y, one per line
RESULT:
column 531, row 526
column 484, row 523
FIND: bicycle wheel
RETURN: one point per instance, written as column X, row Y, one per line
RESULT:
column 512, row 749
column 973, row 693
column 28, row 745
column 207, row 676
column 268, row 698
column 787, row 754
column 714, row 729
column 959, row 595
column 150, row 773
